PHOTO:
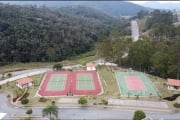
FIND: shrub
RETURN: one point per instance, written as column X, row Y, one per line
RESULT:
column 94, row 97
column 9, row 75
column 29, row 111
column 57, row 67
column 105, row 102
column 42, row 99
column 139, row 115
column 82, row 101
column 176, row 105
column 94, row 103
column 24, row 101
column 53, row 102
column 8, row 96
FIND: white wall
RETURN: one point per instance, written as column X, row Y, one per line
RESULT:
column 91, row 68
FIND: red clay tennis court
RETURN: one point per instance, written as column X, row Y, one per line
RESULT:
column 57, row 83
column 134, row 83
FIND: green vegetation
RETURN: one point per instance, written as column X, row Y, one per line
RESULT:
column 82, row 101
column 42, row 99
column 139, row 115
column 29, row 111
column 51, row 110
column 108, row 81
column 57, row 67
column 176, row 105
column 32, row 34
column 24, row 101
column 105, row 102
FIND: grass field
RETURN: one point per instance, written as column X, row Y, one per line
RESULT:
column 141, row 87
column 81, row 59
column 108, row 81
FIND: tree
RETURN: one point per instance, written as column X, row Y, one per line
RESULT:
column 82, row 100
column 139, row 115
column 24, row 101
column 29, row 112
column 9, row 75
column 139, row 55
column 51, row 110
column 57, row 67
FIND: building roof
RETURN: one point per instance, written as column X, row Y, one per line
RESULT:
column 24, row 81
column 91, row 65
column 173, row 82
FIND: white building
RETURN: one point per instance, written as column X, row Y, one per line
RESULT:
column 24, row 82
column 91, row 66
column 173, row 84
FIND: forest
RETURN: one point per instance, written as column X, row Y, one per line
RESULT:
column 31, row 33
column 157, row 53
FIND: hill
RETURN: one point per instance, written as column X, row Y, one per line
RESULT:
column 87, row 12
column 29, row 34
column 113, row 8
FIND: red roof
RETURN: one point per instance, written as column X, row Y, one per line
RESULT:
column 173, row 82
column 24, row 81
column 91, row 65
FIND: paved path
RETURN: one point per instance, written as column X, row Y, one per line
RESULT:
column 135, row 30
column 139, row 103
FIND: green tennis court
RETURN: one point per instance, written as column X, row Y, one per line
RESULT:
column 57, row 82
column 135, row 83
column 85, row 81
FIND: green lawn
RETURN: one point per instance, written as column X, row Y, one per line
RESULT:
column 108, row 81
column 81, row 59
column 161, row 84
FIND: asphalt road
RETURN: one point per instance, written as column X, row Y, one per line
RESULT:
column 15, row 73
column 84, row 112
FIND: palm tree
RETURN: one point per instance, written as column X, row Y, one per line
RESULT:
column 50, row 110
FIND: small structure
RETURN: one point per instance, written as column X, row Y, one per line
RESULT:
column 111, row 64
column 173, row 84
column 91, row 66
column 100, row 62
column 24, row 82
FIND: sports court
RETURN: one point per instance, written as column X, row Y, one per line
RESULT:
column 58, row 83
column 86, row 83
column 55, row 83
column 135, row 83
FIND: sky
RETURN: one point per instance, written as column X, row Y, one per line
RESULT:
column 141, row 2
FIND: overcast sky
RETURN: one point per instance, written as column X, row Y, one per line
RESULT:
column 141, row 2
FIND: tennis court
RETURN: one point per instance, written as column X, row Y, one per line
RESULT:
column 55, row 83
column 85, row 82
column 58, row 83
column 135, row 83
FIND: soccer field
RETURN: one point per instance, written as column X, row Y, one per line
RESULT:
column 135, row 83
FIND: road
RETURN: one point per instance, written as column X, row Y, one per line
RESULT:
column 135, row 30
column 83, row 112
column 15, row 73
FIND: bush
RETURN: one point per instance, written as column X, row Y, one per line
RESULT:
column 42, row 99
column 24, row 101
column 8, row 96
column 176, row 105
column 105, row 102
column 53, row 102
column 82, row 101
column 57, row 67
column 29, row 111
column 139, row 115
